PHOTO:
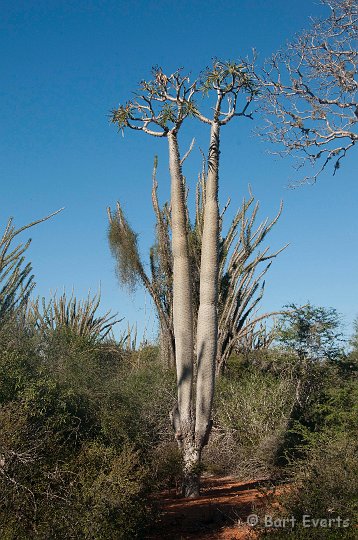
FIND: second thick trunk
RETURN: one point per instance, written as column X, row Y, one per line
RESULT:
column 207, row 328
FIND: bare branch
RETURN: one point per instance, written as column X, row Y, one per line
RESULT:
column 187, row 154
column 309, row 92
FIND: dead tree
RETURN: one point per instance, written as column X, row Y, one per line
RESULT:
column 308, row 91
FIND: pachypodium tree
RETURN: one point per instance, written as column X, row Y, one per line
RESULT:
column 308, row 91
column 243, row 264
column 16, row 280
column 159, row 109
column 71, row 317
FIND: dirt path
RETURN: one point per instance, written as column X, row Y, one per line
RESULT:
column 219, row 514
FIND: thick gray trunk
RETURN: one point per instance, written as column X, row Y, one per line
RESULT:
column 207, row 328
column 191, row 472
column 182, row 292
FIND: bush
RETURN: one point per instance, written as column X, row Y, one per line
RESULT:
column 94, row 493
column 167, row 466
column 250, row 419
column 324, row 487
column 142, row 396
column 321, row 444
column 65, row 472
column 327, row 398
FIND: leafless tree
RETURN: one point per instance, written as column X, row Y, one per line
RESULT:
column 308, row 91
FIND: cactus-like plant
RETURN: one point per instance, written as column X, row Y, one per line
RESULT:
column 16, row 280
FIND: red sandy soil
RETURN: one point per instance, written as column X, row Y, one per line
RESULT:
column 219, row 514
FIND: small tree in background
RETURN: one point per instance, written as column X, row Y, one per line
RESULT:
column 308, row 92
column 159, row 109
column 314, row 336
column 311, row 332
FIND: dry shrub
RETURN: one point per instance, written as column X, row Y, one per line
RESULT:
column 250, row 419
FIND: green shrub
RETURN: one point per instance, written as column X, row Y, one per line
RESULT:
column 324, row 487
column 112, row 493
column 167, row 466
column 142, row 396
column 64, row 472
column 327, row 399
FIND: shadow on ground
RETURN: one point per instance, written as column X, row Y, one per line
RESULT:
column 220, row 512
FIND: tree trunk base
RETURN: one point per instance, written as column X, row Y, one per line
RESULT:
column 191, row 472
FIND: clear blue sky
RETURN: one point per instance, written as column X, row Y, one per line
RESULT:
column 65, row 64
